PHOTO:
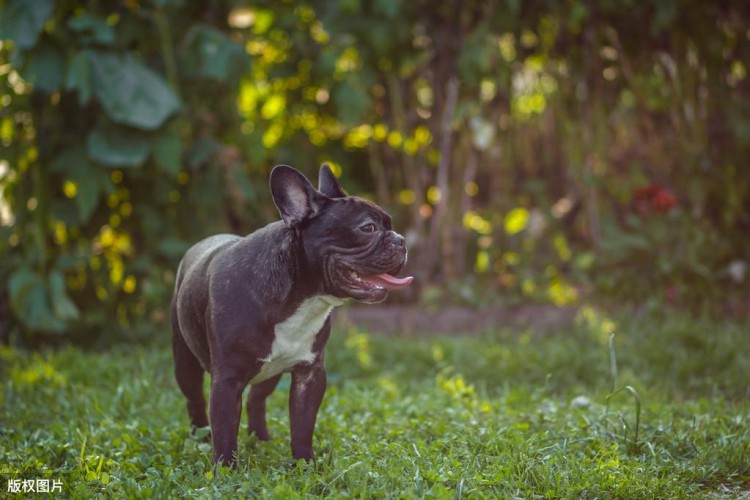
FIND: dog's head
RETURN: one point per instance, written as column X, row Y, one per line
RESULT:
column 348, row 240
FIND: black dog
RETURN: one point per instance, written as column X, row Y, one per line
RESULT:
column 247, row 309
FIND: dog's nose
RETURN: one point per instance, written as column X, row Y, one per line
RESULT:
column 397, row 239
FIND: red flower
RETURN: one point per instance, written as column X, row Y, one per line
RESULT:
column 664, row 201
column 653, row 198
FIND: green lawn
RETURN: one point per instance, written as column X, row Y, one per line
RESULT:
column 508, row 414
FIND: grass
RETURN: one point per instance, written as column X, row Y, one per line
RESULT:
column 507, row 414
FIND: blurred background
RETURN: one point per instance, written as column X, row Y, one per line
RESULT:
column 532, row 152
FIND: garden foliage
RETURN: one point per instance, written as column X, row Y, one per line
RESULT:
column 531, row 150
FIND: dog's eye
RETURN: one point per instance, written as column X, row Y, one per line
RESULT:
column 368, row 228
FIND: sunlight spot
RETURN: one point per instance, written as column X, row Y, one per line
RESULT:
column 116, row 176
column 422, row 135
column 434, row 195
column 60, row 233
column 348, row 61
column 516, row 220
column 407, row 197
column 358, row 137
column 70, row 189
column 129, row 285
column 322, row 96
column 318, row 33
column 380, row 132
column 273, row 107
column 272, row 136
column 561, row 293
column 241, row 18
column 507, row 45
column 411, row 147
column 483, row 261
column 126, row 209
column 476, row 222
column 395, row 139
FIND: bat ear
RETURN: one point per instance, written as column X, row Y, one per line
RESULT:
column 328, row 184
column 294, row 196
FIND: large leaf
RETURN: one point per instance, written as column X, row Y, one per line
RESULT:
column 114, row 146
column 90, row 180
column 79, row 77
column 201, row 151
column 62, row 305
column 130, row 92
column 23, row 20
column 167, row 148
column 45, row 67
column 30, row 303
column 92, row 29
column 209, row 53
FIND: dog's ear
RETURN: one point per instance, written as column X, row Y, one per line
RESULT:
column 328, row 184
column 294, row 196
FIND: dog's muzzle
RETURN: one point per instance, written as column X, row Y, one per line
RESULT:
column 369, row 275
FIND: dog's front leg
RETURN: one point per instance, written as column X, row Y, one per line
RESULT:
column 305, row 396
column 225, row 409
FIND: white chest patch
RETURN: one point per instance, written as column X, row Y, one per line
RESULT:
column 295, row 336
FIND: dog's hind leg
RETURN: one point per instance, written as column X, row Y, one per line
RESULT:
column 256, row 407
column 189, row 374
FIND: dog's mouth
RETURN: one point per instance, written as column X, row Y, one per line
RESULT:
column 369, row 285
column 383, row 281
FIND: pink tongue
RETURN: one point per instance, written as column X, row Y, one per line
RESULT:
column 388, row 281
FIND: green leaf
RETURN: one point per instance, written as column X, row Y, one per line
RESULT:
column 44, row 67
column 114, row 146
column 29, row 301
column 92, row 29
column 130, row 92
column 167, row 148
column 201, row 151
column 63, row 307
column 23, row 20
column 90, row 179
column 79, row 77
column 209, row 53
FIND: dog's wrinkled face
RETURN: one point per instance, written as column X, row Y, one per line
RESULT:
column 357, row 248
column 347, row 240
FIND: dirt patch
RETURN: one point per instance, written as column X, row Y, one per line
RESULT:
column 409, row 321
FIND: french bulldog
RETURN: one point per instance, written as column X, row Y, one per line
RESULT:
column 248, row 309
